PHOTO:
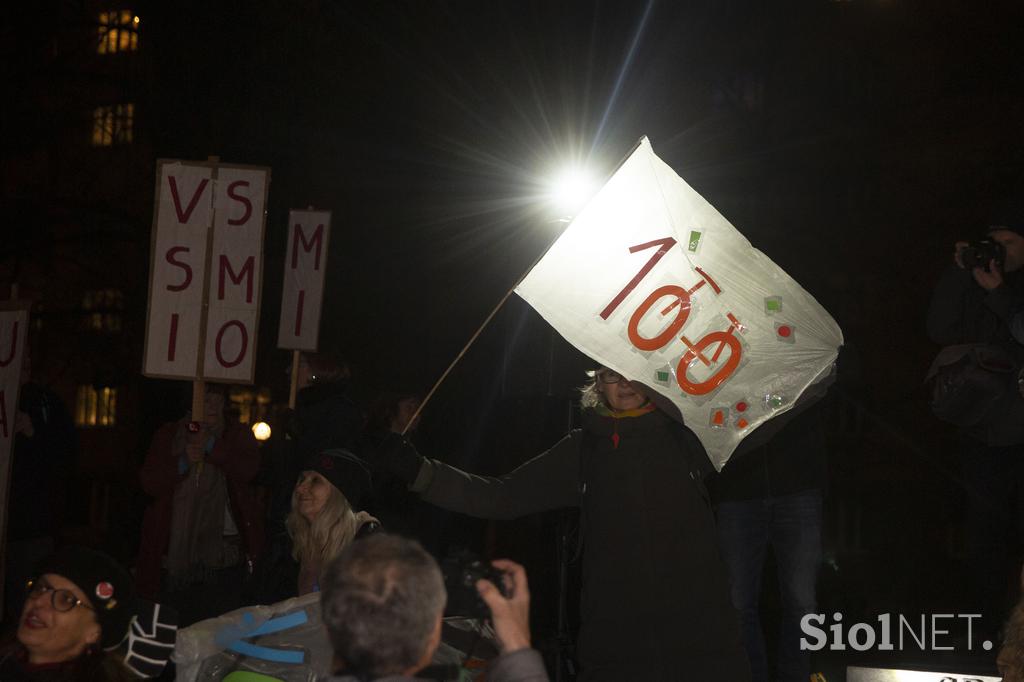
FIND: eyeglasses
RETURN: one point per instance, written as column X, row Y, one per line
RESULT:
column 61, row 600
column 609, row 377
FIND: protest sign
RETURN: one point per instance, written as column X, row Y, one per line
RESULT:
column 305, row 267
column 13, row 337
column 651, row 281
column 205, row 273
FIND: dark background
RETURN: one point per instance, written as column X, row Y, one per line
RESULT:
column 853, row 142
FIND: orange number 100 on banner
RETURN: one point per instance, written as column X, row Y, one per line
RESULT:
column 681, row 299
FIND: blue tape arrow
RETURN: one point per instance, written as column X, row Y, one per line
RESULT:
column 231, row 637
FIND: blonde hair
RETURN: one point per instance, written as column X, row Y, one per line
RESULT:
column 590, row 395
column 329, row 533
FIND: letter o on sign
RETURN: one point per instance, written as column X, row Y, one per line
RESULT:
column 220, row 339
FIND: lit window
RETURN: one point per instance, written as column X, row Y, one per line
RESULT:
column 96, row 406
column 113, row 125
column 101, row 310
column 118, row 32
column 249, row 405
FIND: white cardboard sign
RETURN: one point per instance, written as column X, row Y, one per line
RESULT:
column 13, row 337
column 206, row 270
column 305, row 267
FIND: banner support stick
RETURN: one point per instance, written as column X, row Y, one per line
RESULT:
column 294, row 388
column 502, row 302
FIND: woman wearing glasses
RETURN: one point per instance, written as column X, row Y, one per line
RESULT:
column 655, row 602
column 79, row 607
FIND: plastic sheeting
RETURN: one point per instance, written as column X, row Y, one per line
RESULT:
column 651, row 281
column 286, row 642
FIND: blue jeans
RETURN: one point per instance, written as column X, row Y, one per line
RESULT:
column 792, row 526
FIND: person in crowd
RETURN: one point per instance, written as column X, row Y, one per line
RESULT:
column 382, row 603
column 655, row 590
column 79, row 607
column 43, row 461
column 972, row 306
column 324, row 418
column 204, row 525
column 326, row 515
column 399, row 510
column 771, row 495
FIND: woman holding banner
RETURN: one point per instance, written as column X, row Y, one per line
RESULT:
column 655, row 603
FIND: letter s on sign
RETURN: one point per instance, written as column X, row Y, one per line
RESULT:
column 811, row 631
column 171, row 253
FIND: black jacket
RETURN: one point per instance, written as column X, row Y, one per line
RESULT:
column 961, row 311
column 655, row 603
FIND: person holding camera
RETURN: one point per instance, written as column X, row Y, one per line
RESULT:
column 382, row 601
column 971, row 311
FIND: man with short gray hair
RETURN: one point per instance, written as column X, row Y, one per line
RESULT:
column 382, row 602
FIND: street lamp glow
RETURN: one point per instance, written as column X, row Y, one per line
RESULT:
column 261, row 430
column 572, row 189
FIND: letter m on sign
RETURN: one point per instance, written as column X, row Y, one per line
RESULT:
column 305, row 269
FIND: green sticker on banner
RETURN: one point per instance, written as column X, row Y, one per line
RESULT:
column 246, row 676
column 694, row 241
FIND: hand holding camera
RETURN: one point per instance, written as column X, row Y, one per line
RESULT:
column 510, row 607
column 984, row 258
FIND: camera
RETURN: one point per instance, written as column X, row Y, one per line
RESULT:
column 461, row 570
column 980, row 253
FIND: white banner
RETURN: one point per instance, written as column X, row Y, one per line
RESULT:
column 207, row 249
column 305, row 266
column 236, row 269
column 651, row 281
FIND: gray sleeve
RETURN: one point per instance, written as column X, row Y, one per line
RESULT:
column 548, row 481
column 524, row 665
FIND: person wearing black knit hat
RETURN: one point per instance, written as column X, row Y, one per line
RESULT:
column 326, row 513
column 79, row 607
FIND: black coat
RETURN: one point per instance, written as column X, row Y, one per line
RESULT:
column 655, row 602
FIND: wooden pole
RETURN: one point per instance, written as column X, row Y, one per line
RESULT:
column 293, row 390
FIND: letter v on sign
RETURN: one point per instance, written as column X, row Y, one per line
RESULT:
column 183, row 216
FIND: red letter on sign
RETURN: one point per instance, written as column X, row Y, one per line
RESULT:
column 172, row 337
column 14, row 346
column 246, row 272
column 184, row 266
column 317, row 239
column 298, row 313
column 243, row 199
column 220, row 338
column 183, row 217
column 3, row 414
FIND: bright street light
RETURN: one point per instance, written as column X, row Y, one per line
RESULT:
column 261, row 430
column 571, row 190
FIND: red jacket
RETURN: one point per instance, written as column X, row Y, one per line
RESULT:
column 237, row 455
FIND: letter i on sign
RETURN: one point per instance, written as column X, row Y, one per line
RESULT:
column 305, row 268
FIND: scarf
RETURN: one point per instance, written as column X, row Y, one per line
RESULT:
column 197, row 546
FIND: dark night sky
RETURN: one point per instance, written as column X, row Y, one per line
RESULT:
column 841, row 137
column 851, row 141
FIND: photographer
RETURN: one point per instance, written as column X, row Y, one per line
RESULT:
column 382, row 601
column 971, row 311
